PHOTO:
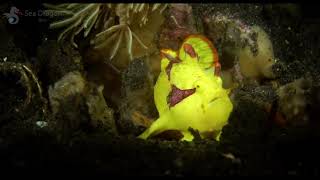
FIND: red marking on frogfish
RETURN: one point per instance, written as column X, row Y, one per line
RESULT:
column 177, row 95
column 172, row 61
column 169, row 67
column 217, row 68
column 189, row 50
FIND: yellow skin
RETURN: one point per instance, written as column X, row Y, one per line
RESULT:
column 162, row 87
column 206, row 110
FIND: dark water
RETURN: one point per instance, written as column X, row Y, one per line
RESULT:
column 258, row 139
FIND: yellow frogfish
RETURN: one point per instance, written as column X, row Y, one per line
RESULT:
column 189, row 92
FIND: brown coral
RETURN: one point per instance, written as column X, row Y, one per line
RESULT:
column 83, row 17
column 293, row 101
column 75, row 102
column 246, row 51
column 178, row 24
